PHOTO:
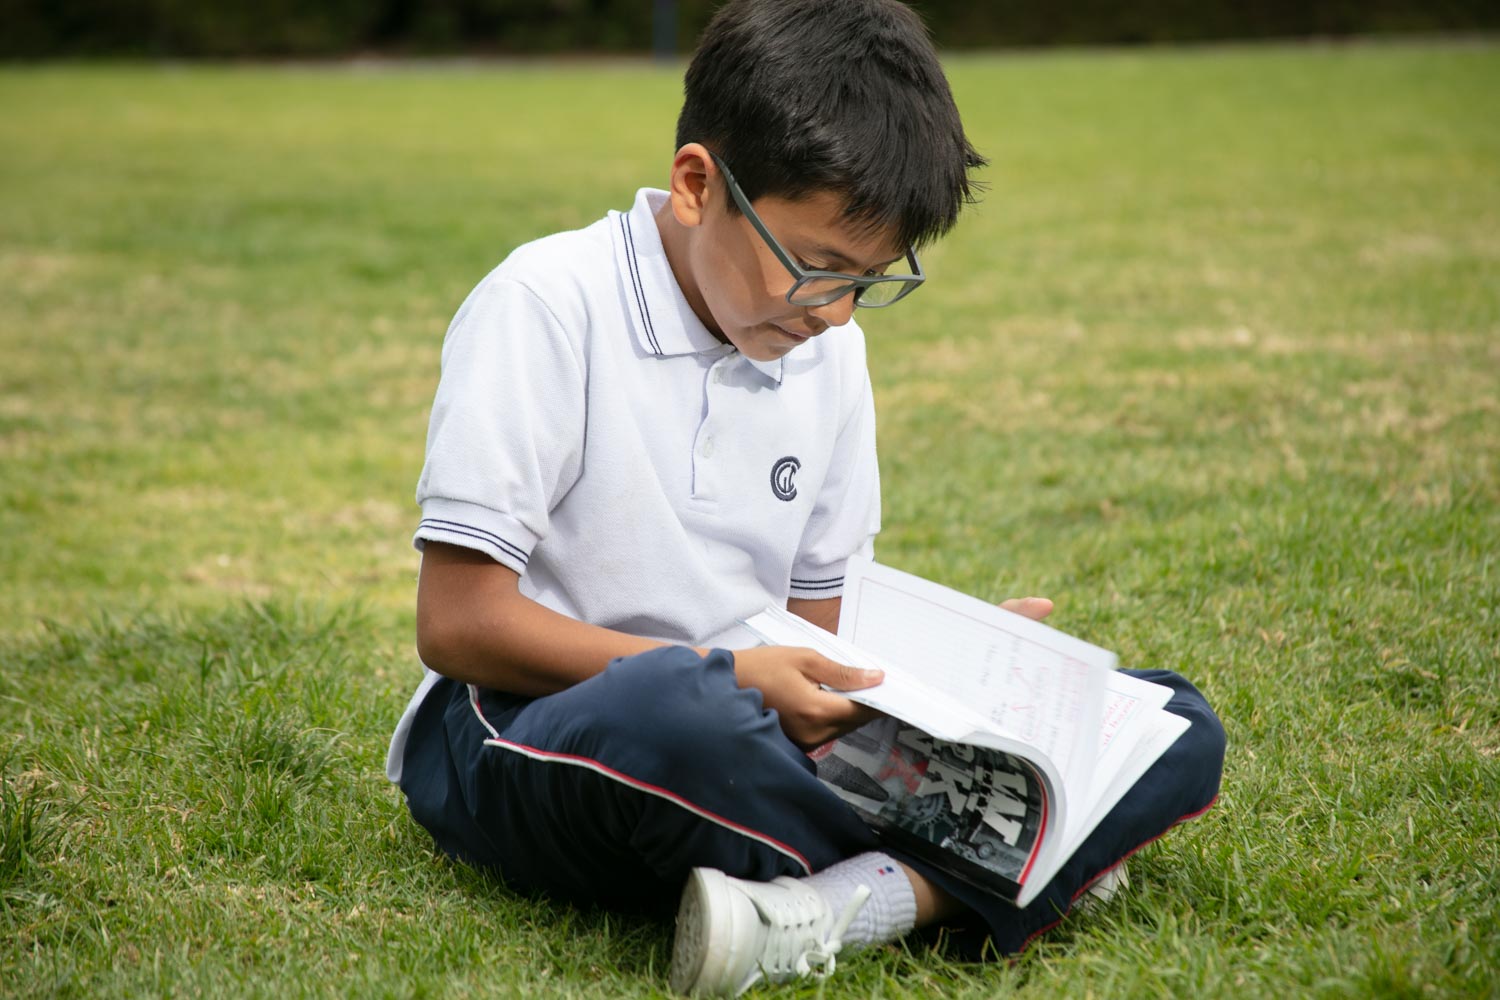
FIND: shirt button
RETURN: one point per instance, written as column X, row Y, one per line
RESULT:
column 707, row 448
column 718, row 376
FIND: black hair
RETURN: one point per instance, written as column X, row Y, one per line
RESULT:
column 801, row 96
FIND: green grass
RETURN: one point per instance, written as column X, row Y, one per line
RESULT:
column 1216, row 364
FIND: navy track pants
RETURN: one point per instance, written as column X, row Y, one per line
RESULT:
column 612, row 791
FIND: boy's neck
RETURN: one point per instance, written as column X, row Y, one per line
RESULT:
column 674, row 242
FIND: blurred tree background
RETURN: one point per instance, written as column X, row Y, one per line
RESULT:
column 303, row 28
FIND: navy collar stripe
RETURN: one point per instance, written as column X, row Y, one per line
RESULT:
column 635, row 280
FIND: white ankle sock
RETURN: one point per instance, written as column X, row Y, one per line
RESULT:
column 890, row 911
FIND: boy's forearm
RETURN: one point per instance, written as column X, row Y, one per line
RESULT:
column 475, row 626
column 823, row 613
column 532, row 650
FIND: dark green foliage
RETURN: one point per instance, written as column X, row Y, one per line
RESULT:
column 41, row 28
column 962, row 24
column 324, row 27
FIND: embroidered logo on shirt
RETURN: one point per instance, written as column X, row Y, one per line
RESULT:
column 781, row 478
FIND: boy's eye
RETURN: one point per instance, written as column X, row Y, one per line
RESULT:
column 807, row 266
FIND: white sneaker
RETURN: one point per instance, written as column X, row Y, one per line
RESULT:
column 1105, row 886
column 731, row 934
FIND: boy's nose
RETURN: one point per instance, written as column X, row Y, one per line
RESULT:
column 835, row 313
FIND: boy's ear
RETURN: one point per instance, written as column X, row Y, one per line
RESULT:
column 692, row 188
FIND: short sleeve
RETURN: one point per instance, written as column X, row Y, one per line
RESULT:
column 846, row 516
column 505, row 440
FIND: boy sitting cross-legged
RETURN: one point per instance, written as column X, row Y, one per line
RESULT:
column 651, row 428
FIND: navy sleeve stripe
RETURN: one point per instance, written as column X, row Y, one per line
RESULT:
column 503, row 549
column 498, row 539
column 821, row 586
column 826, row 579
column 509, row 548
column 635, row 281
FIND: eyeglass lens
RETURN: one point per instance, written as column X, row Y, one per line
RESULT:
column 821, row 291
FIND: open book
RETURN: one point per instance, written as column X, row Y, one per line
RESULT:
column 1006, row 741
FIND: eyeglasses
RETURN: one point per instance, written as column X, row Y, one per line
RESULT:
column 819, row 288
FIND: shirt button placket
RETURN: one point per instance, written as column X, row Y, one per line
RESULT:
column 702, row 480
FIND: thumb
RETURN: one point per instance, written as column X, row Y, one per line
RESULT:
column 843, row 677
column 1035, row 608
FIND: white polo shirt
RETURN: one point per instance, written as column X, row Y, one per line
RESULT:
column 591, row 434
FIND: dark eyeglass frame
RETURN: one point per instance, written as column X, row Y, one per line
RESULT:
column 802, row 276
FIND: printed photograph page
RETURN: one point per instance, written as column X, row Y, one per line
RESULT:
column 976, row 813
column 1030, row 682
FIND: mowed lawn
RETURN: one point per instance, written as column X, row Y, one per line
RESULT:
column 1215, row 364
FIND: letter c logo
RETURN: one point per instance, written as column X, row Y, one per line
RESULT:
column 781, row 478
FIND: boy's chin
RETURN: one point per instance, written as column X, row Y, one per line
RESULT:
column 769, row 352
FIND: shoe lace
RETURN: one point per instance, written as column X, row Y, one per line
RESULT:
column 795, row 944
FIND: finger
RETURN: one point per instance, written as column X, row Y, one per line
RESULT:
column 1035, row 608
column 841, row 715
column 830, row 716
column 842, row 676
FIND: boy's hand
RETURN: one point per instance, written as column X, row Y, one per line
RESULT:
column 789, row 679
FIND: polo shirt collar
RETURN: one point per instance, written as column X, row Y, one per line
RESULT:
column 660, row 316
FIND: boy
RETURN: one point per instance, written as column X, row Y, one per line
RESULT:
column 651, row 428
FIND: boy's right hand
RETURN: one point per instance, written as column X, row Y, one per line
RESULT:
column 789, row 679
